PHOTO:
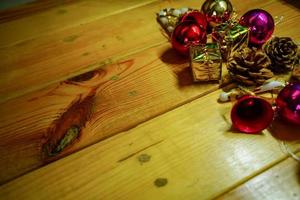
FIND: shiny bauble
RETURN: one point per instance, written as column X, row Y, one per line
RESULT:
column 197, row 17
column 288, row 103
column 185, row 34
column 217, row 11
column 251, row 114
column 260, row 24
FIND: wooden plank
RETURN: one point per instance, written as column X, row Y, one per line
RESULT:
column 127, row 93
column 19, row 9
column 121, row 96
column 56, row 16
column 278, row 182
column 55, row 56
column 68, row 13
column 187, row 153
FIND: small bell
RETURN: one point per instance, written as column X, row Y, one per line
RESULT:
column 251, row 114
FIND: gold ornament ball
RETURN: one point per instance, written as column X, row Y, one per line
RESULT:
column 217, row 11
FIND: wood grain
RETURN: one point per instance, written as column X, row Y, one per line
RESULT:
column 51, row 55
column 93, row 80
column 47, row 48
column 56, row 16
column 117, row 97
column 125, row 94
column 193, row 155
column 29, row 8
column 279, row 182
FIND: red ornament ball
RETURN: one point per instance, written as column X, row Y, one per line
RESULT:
column 261, row 25
column 185, row 34
column 251, row 114
column 288, row 103
column 197, row 17
column 217, row 11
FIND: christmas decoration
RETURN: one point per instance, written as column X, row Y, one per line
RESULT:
column 217, row 11
column 240, row 91
column 206, row 62
column 197, row 17
column 261, row 26
column 288, row 103
column 251, row 60
column 269, row 86
column 234, row 94
column 251, row 114
column 249, row 66
column 230, row 36
column 186, row 34
column 283, row 54
column 169, row 18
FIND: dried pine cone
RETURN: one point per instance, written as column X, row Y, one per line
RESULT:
column 283, row 54
column 249, row 66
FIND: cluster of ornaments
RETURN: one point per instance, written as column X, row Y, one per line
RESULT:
column 253, row 58
column 190, row 27
column 168, row 18
column 252, row 114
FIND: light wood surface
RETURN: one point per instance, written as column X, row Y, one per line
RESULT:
column 127, row 91
column 84, row 46
column 279, row 182
column 63, row 38
column 191, row 146
column 77, row 73
column 125, row 94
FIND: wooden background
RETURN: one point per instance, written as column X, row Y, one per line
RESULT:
column 100, row 76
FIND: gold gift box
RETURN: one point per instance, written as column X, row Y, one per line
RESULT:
column 206, row 62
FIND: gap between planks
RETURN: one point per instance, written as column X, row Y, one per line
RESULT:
column 29, row 8
column 159, row 139
column 107, row 61
column 252, row 176
column 110, row 60
column 190, row 100
column 77, row 24
column 239, row 183
column 114, row 134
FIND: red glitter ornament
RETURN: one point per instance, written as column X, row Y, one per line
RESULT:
column 251, row 114
column 261, row 25
column 288, row 103
column 187, row 33
column 195, row 16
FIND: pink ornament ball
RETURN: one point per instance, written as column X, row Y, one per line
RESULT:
column 261, row 25
column 288, row 103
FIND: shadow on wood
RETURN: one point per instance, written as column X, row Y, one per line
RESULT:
column 170, row 56
column 294, row 3
column 179, row 65
column 284, row 131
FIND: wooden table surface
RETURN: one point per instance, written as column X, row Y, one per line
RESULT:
column 95, row 104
